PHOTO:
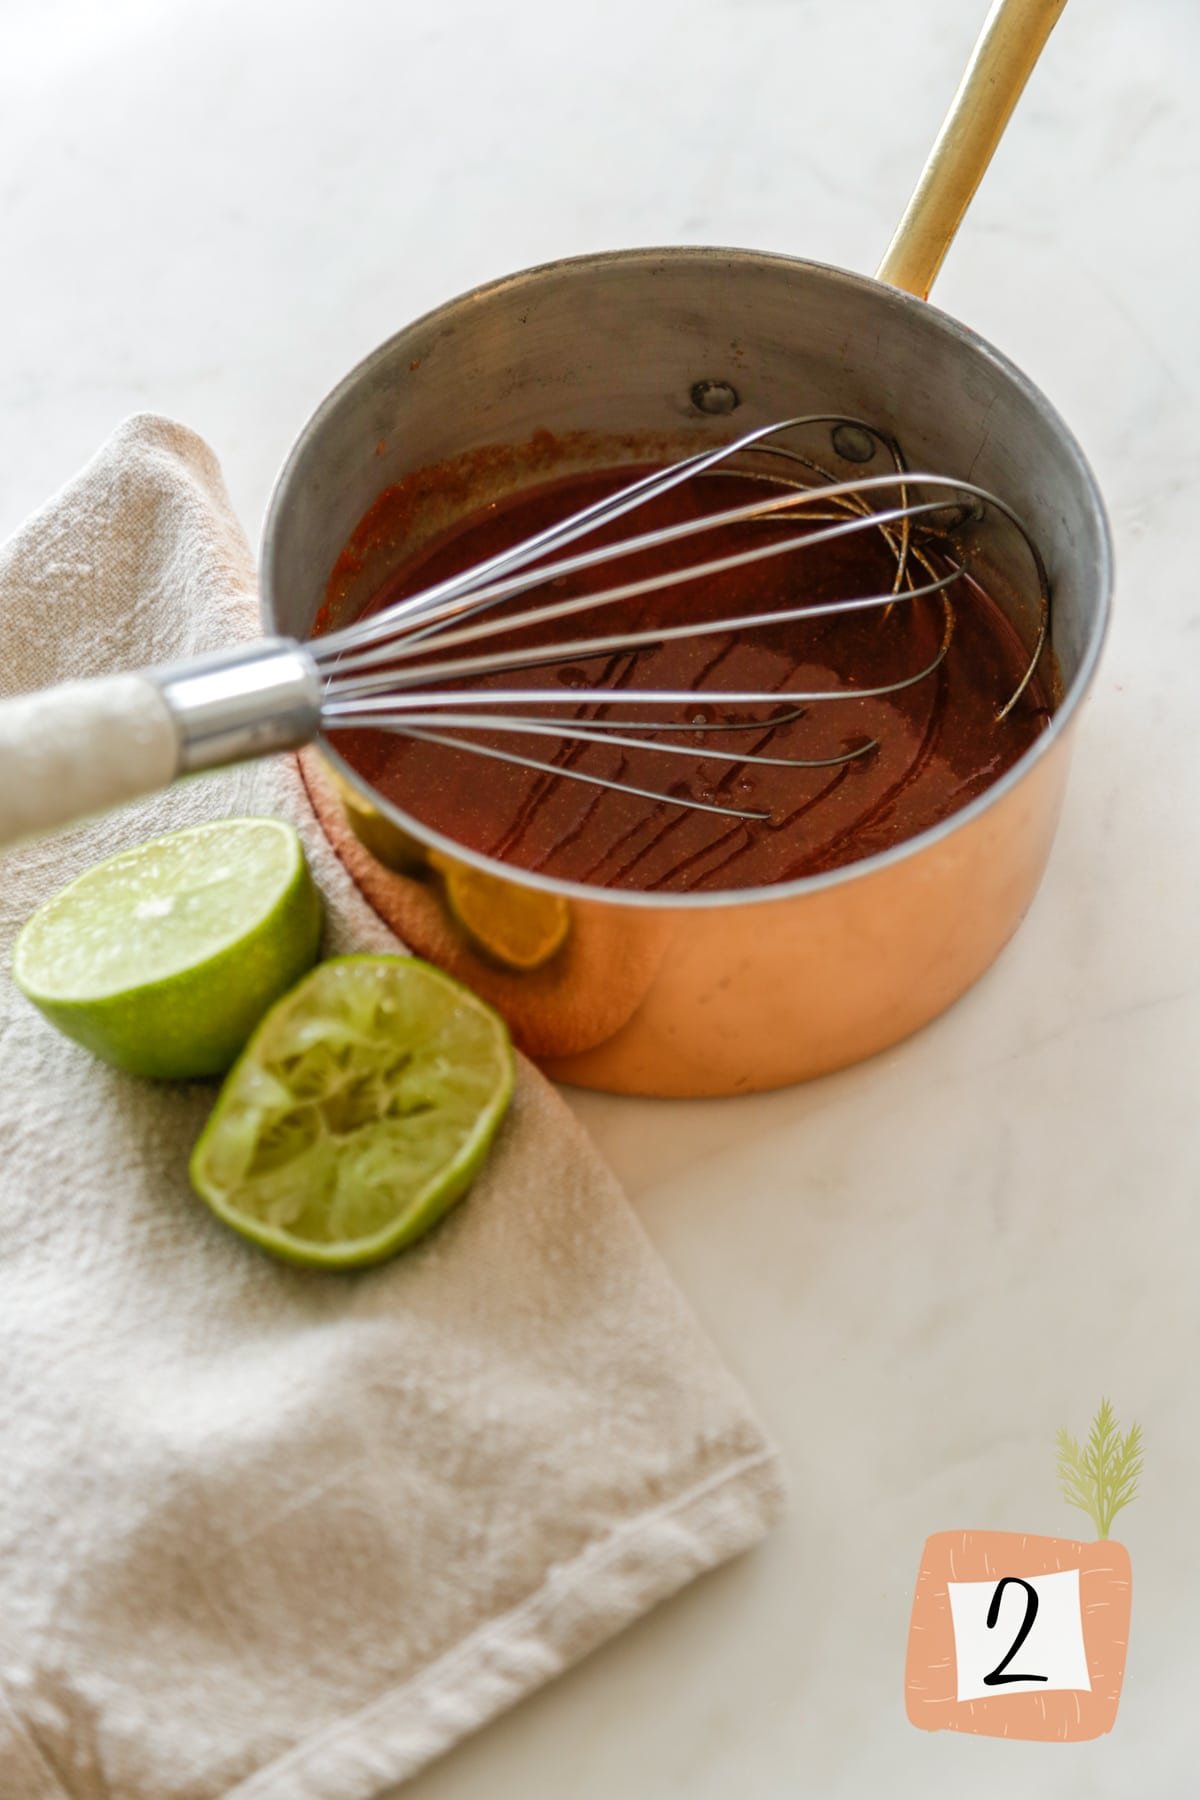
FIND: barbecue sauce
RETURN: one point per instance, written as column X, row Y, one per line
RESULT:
column 938, row 741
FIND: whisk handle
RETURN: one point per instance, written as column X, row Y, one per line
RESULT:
column 86, row 746
column 81, row 748
column 1013, row 36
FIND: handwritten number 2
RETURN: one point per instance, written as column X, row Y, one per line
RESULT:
column 997, row 1677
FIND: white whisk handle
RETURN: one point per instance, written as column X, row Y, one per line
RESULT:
column 86, row 746
column 81, row 748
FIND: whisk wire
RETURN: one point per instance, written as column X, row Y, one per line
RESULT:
column 581, row 649
column 588, row 733
column 578, row 524
column 688, row 801
column 378, row 673
column 389, row 623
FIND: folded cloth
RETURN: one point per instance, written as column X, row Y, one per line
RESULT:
column 266, row 1533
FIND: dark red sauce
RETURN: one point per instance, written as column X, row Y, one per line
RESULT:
column 939, row 742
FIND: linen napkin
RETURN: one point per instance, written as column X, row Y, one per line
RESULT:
column 265, row 1533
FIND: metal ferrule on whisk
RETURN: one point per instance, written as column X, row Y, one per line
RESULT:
column 237, row 704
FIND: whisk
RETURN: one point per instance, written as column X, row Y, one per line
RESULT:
column 86, row 746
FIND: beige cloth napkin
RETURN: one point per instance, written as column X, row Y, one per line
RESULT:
column 264, row 1533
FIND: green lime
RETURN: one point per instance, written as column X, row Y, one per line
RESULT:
column 164, row 958
column 359, row 1112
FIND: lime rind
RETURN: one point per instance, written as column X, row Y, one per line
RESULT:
column 157, row 910
column 360, row 1111
column 189, row 1016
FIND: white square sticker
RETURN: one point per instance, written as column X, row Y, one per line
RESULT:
column 1019, row 1634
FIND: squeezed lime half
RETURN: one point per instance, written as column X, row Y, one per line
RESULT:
column 362, row 1108
column 164, row 958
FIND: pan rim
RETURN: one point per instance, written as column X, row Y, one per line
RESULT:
column 718, row 899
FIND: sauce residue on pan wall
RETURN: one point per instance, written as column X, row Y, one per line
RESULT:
column 939, row 742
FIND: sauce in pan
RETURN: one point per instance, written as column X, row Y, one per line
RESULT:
column 939, row 742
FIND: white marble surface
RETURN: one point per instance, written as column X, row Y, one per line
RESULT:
column 920, row 1267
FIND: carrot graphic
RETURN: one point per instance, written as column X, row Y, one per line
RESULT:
column 985, row 1677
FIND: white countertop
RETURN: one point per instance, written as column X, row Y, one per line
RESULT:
column 919, row 1268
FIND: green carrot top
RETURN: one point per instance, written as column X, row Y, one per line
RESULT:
column 1101, row 1476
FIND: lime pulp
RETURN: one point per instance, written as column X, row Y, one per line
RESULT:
column 163, row 958
column 361, row 1110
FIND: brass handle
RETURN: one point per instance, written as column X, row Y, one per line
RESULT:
column 1010, row 43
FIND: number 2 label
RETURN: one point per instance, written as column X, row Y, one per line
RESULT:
column 1037, row 1617
column 1016, row 1636
column 993, row 1618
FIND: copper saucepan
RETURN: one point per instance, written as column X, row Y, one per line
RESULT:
column 721, row 993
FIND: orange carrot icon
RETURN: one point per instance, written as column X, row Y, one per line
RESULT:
column 1025, row 1637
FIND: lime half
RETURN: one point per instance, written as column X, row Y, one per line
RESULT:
column 359, row 1112
column 165, row 957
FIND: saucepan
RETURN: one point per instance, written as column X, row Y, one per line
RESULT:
column 639, row 357
column 718, row 993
